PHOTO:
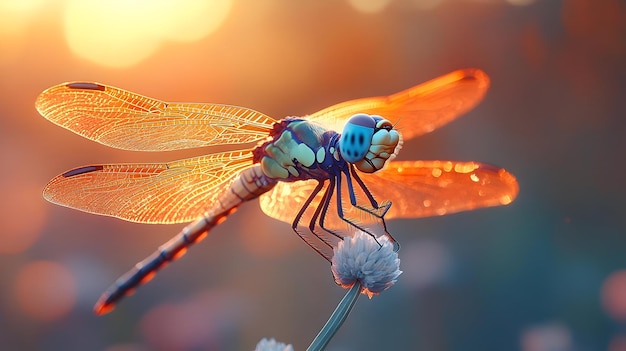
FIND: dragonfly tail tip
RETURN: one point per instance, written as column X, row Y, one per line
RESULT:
column 102, row 307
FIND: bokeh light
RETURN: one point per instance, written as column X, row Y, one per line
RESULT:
column 618, row 343
column 197, row 323
column 431, row 263
column 16, row 16
column 121, row 33
column 614, row 295
column 45, row 290
column 547, row 337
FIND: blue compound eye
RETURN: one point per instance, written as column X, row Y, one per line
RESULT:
column 356, row 138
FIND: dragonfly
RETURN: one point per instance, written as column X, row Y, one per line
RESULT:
column 323, row 173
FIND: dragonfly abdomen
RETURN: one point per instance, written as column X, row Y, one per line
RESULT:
column 247, row 186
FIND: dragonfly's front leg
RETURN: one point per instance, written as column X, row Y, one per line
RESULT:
column 298, row 217
column 376, row 209
column 340, row 206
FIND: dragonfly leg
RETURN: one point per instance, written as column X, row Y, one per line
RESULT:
column 376, row 210
column 396, row 244
column 298, row 217
column 340, row 207
column 321, row 210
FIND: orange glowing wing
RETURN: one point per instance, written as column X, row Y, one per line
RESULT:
column 415, row 188
column 419, row 109
column 174, row 192
column 125, row 120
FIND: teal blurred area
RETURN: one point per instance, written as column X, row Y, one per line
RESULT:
column 547, row 272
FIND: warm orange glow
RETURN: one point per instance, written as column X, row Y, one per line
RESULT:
column 437, row 102
column 121, row 33
column 21, row 229
column 436, row 172
column 81, row 108
column 427, row 4
column 45, row 290
column 101, row 309
column 420, row 189
column 180, row 191
column 180, row 253
column 16, row 14
column 369, row 6
column 149, row 276
column 221, row 219
column 201, row 237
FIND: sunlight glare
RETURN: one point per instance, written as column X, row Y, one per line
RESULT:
column 23, row 7
column 16, row 14
column 190, row 20
column 120, row 33
column 369, row 6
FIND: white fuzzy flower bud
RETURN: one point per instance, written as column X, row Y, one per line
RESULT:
column 363, row 259
column 272, row 345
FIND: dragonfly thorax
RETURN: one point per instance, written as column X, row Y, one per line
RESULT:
column 368, row 142
column 298, row 150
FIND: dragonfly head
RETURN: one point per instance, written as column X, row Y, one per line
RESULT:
column 368, row 142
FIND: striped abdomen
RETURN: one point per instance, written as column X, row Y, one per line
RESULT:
column 248, row 185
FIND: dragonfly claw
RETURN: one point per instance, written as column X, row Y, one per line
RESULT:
column 379, row 211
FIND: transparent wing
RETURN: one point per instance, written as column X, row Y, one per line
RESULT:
column 415, row 188
column 174, row 192
column 125, row 120
column 419, row 109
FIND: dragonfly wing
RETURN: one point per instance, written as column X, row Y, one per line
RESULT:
column 174, row 192
column 125, row 120
column 415, row 188
column 286, row 199
column 417, row 110
column 430, row 188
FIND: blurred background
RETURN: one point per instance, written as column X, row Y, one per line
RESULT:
column 547, row 272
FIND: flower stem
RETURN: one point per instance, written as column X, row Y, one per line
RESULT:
column 336, row 319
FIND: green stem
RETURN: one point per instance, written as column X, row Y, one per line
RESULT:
column 336, row 319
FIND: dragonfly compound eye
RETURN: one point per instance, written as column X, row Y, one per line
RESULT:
column 356, row 137
column 382, row 146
